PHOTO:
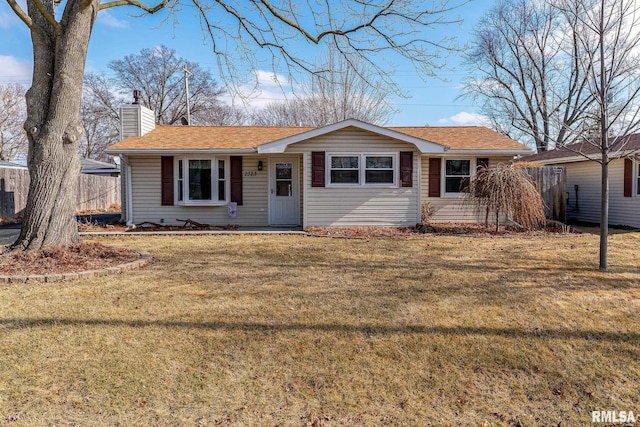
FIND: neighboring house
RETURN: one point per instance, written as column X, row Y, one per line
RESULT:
column 346, row 174
column 584, row 181
column 6, row 164
column 95, row 167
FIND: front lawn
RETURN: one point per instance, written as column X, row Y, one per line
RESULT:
column 294, row 330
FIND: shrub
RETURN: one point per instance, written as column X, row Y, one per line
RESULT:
column 506, row 190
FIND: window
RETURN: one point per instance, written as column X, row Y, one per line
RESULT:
column 180, row 181
column 284, row 179
column 202, row 181
column 379, row 170
column 456, row 175
column 345, row 170
column 363, row 169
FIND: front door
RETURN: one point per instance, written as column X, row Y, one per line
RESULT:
column 284, row 198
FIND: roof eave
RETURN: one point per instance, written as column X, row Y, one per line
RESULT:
column 491, row 152
column 280, row 146
column 170, row 151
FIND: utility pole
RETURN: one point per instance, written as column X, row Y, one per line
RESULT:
column 187, row 74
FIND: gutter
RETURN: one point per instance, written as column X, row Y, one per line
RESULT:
column 173, row 152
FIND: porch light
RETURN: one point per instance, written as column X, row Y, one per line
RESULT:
column 259, row 165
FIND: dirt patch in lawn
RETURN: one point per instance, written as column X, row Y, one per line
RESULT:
column 75, row 259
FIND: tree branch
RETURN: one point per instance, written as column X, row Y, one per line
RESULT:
column 139, row 5
column 20, row 13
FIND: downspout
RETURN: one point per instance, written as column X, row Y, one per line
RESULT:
column 129, row 210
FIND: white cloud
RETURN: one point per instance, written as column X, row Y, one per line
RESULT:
column 464, row 118
column 13, row 70
column 270, row 79
column 106, row 18
column 265, row 87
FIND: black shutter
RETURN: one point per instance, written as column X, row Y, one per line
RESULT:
column 434, row 176
column 406, row 168
column 628, row 178
column 236, row 179
column 166, row 180
column 317, row 169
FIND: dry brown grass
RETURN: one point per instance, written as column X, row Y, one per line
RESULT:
column 294, row 330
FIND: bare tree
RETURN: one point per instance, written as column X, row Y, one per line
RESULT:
column 13, row 141
column 345, row 88
column 222, row 115
column 60, row 33
column 159, row 74
column 527, row 73
column 608, row 33
column 99, row 116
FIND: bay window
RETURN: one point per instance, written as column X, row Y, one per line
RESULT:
column 202, row 181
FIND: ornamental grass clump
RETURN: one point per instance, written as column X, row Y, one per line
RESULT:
column 506, row 191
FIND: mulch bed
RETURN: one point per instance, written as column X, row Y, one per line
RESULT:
column 74, row 259
column 151, row 226
column 448, row 229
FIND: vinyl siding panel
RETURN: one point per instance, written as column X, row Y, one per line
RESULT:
column 451, row 208
column 136, row 121
column 622, row 210
column 361, row 205
column 145, row 180
column 147, row 120
column 129, row 124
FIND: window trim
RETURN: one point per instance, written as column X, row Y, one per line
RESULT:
column 362, row 170
column 443, row 173
column 184, row 181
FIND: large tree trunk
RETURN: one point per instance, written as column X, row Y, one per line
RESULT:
column 53, row 123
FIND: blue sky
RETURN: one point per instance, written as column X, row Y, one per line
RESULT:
column 118, row 33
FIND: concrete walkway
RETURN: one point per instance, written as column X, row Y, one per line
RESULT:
column 9, row 234
column 187, row 232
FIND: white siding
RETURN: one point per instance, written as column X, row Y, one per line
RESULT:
column 355, row 206
column 622, row 210
column 451, row 208
column 136, row 120
column 145, row 180
column 129, row 123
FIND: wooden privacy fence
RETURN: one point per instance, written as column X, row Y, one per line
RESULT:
column 551, row 182
column 94, row 192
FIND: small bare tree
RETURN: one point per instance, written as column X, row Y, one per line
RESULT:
column 608, row 33
column 13, row 141
column 508, row 191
